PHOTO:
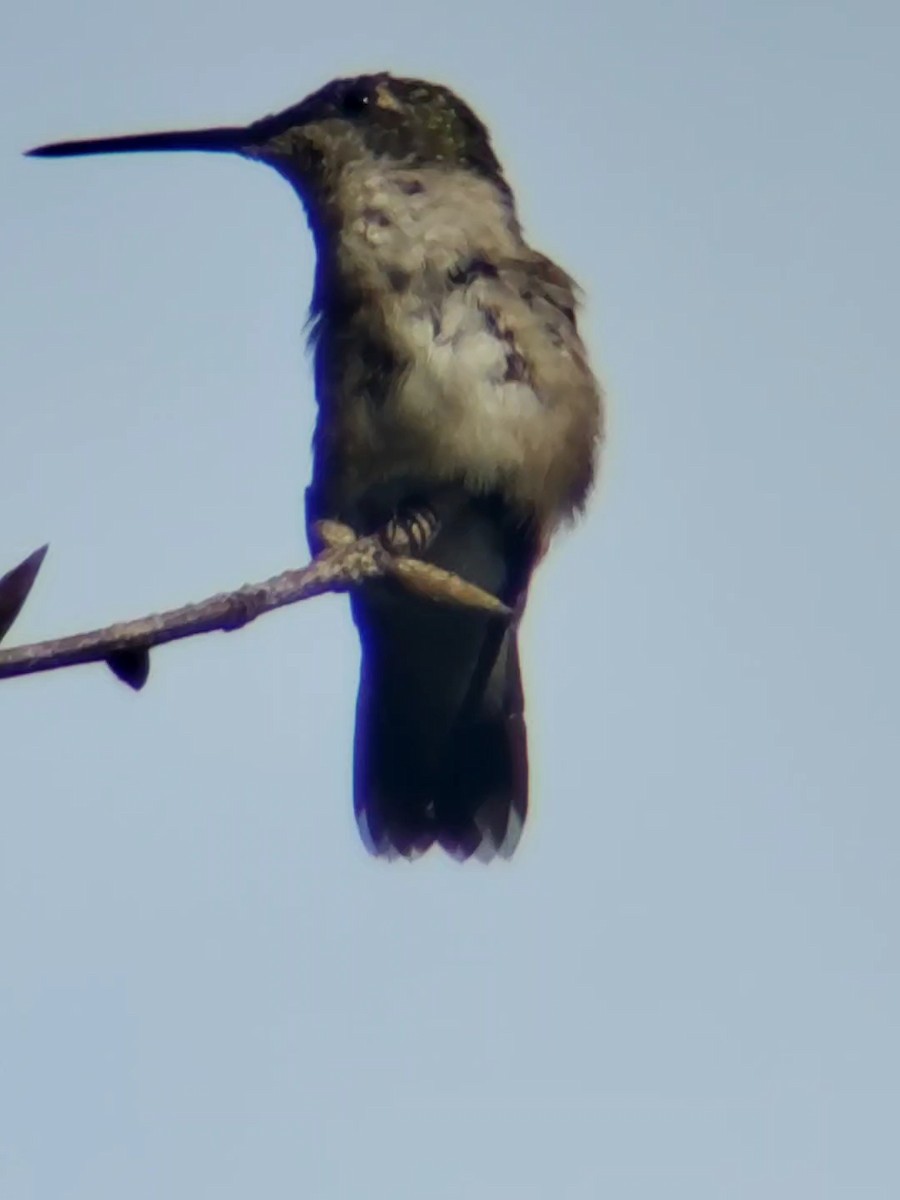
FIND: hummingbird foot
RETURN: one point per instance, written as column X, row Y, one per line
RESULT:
column 411, row 530
column 393, row 551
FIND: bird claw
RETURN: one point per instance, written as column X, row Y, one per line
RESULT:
column 410, row 531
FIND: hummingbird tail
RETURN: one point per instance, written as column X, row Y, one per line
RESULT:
column 441, row 753
column 441, row 750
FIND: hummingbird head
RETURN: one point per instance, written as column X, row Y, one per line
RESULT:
column 401, row 121
column 393, row 174
column 404, row 121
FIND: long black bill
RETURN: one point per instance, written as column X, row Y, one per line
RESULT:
column 221, row 141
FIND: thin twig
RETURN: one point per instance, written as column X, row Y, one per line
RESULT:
column 345, row 562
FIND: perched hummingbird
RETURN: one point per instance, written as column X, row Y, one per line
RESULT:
column 450, row 377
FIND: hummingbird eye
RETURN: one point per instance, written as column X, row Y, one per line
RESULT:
column 356, row 103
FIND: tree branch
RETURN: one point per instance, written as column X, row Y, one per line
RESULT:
column 344, row 562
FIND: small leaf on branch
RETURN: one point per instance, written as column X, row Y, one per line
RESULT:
column 131, row 666
column 15, row 586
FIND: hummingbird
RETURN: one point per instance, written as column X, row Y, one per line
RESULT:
column 450, row 379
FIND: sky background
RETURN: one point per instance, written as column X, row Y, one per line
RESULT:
column 686, row 983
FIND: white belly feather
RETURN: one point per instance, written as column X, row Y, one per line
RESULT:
column 495, row 393
column 457, row 393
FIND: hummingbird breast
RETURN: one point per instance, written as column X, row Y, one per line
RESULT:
column 446, row 348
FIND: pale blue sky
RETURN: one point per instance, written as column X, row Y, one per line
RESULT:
column 686, row 984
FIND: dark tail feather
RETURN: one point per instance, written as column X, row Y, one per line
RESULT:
column 483, row 803
column 441, row 753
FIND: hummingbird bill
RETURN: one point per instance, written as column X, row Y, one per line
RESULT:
column 450, row 378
